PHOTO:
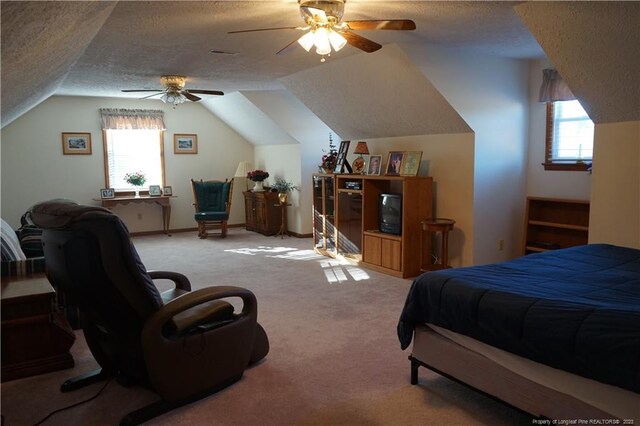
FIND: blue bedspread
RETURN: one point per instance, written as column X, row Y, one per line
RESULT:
column 576, row 309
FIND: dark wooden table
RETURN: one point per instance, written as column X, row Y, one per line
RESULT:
column 36, row 336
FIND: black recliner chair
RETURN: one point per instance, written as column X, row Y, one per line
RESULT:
column 182, row 345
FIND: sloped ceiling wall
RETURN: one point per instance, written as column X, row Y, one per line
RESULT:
column 596, row 48
column 242, row 115
column 392, row 98
column 47, row 38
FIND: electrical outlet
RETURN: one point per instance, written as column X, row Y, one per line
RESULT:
column 500, row 245
column 139, row 216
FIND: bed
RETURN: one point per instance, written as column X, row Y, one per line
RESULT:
column 556, row 334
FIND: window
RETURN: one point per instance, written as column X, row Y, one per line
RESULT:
column 569, row 143
column 139, row 150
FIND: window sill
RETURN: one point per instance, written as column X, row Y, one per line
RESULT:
column 572, row 167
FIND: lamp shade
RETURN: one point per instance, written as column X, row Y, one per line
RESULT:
column 243, row 168
column 361, row 148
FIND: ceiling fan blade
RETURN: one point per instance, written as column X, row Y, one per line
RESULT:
column 263, row 29
column 360, row 42
column 288, row 48
column 142, row 90
column 388, row 24
column 152, row 95
column 205, row 92
column 192, row 98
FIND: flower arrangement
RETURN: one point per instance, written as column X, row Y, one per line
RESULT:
column 282, row 185
column 257, row 175
column 329, row 159
column 135, row 178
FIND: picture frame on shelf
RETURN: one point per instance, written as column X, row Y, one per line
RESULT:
column 167, row 190
column 76, row 143
column 155, row 191
column 411, row 163
column 341, row 162
column 185, row 143
column 394, row 163
column 106, row 193
column 375, row 165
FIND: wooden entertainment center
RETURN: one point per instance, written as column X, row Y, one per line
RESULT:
column 346, row 221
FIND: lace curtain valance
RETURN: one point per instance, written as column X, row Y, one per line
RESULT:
column 554, row 88
column 120, row 118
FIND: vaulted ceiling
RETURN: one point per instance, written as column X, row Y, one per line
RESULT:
column 99, row 48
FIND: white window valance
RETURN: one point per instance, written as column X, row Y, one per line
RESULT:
column 120, row 118
column 554, row 88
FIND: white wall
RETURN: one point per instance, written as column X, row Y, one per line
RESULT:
column 284, row 161
column 491, row 95
column 615, row 190
column 34, row 168
column 541, row 182
column 448, row 159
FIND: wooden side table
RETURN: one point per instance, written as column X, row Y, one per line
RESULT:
column 36, row 337
column 283, row 216
column 443, row 226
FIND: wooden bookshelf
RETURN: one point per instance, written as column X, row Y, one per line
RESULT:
column 553, row 223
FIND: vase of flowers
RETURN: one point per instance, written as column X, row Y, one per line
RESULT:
column 257, row 176
column 329, row 159
column 137, row 179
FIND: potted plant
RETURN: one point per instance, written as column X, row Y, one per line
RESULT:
column 282, row 187
column 136, row 179
column 257, row 176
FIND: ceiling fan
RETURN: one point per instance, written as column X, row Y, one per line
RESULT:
column 174, row 92
column 326, row 31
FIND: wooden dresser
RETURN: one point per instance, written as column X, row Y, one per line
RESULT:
column 262, row 212
column 36, row 336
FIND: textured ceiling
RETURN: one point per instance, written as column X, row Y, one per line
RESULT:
column 96, row 49
column 596, row 48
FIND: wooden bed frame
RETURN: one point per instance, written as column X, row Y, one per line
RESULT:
column 471, row 369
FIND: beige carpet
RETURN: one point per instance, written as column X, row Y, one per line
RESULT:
column 334, row 359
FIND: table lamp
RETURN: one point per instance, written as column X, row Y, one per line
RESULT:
column 358, row 163
column 243, row 168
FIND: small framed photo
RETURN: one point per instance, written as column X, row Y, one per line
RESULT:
column 107, row 193
column 155, row 190
column 167, row 190
column 375, row 164
column 411, row 163
column 185, row 144
column 76, row 143
column 394, row 163
column 341, row 160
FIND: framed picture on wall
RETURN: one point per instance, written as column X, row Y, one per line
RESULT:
column 394, row 163
column 185, row 143
column 411, row 163
column 76, row 143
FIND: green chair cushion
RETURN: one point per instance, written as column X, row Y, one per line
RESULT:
column 212, row 196
column 211, row 216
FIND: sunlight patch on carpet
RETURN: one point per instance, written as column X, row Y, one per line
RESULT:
column 338, row 271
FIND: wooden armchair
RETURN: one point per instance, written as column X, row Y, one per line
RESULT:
column 212, row 201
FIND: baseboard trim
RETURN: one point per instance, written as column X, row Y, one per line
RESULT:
column 235, row 225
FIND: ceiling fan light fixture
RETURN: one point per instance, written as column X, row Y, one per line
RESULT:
column 173, row 98
column 337, row 40
column 307, row 41
column 323, row 46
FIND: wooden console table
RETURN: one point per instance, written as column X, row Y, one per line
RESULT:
column 163, row 201
column 36, row 336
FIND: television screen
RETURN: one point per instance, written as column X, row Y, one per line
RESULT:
column 390, row 213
